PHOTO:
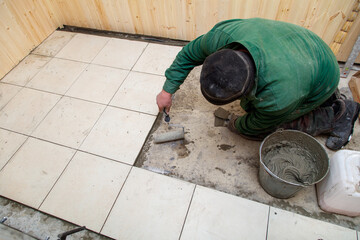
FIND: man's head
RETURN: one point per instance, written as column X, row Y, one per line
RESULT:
column 227, row 75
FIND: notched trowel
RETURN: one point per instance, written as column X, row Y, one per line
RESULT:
column 173, row 135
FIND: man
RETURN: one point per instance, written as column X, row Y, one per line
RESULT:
column 284, row 75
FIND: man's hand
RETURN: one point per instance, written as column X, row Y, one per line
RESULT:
column 163, row 100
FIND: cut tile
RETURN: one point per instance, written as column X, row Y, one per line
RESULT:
column 119, row 134
column 156, row 58
column 7, row 92
column 217, row 215
column 9, row 143
column 57, row 76
column 290, row 226
column 98, row 84
column 86, row 191
column 34, row 169
column 138, row 93
column 26, row 110
column 83, row 48
column 120, row 53
column 150, row 206
column 69, row 122
column 54, row 43
column 25, row 70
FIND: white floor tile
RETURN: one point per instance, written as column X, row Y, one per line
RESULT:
column 217, row 215
column 30, row 174
column 26, row 110
column 57, row 76
column 69, row 122
column 138, row 93
column 284, row 225
column 98, row 84
column 53, row 44
column 119, row 134
column 120, row 53
column 156, row 58
column 150, row 206
column 25, row 70
column 7, row 92
column 9, row 143
column 82, row 47
column 86, row 191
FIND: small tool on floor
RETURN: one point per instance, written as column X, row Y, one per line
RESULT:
column 221, row 117
column 176, row 134
column 63, row 236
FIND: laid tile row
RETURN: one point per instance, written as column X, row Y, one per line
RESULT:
column 125, row 202
column 116, row 87
column 103, row 130
column 113, row 52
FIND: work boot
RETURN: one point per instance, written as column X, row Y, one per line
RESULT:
column 346, row 113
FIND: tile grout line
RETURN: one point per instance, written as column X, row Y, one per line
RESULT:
column 8, row 161
column 32, row 52
column 130, row 70
column 21, row 88
column 108, row 104
column 43, row 67
column 61, row 145
column 267, row 225
column 102, row 227
column 62, row 172
column 187, row 212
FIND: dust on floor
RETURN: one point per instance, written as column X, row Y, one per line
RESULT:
column 216, row 158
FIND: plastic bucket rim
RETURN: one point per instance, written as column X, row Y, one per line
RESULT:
column 282, row 180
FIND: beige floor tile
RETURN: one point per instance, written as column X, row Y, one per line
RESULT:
column 138, row 93
column 86, row 191
column 25, row 70
column 156, row 58
column 217, row 215
column 57, row 76
column 150, row 206
column 30, row 174
column 82, row 47
column 7, row 92
column 119, row 134
column 53, row 44
column 284, row 225
column 9, row 143
column 26, row 110
column 98, row 84
column 69, row 122
column 120, row 53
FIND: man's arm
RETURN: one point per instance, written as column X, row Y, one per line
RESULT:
column 258, row 121
column 192, row 55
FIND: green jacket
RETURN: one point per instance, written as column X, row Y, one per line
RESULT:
column 296, row 70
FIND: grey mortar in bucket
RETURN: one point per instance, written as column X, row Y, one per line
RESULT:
column 289, row 161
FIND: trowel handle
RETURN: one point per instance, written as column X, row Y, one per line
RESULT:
column 167, row 117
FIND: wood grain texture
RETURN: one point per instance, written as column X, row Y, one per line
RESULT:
column 24, row 24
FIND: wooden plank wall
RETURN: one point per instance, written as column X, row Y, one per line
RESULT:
column 187, row 19
column 25, row 23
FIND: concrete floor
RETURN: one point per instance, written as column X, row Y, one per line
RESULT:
column 216, row 158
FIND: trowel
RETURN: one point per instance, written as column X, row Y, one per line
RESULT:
column 173, row 135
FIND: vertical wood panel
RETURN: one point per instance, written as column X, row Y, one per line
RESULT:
column 24, row 24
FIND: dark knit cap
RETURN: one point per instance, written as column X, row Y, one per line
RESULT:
column 227, row 75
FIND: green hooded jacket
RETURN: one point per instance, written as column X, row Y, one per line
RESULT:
column 295, row 70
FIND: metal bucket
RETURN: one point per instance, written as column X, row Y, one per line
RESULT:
column 281, row 188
